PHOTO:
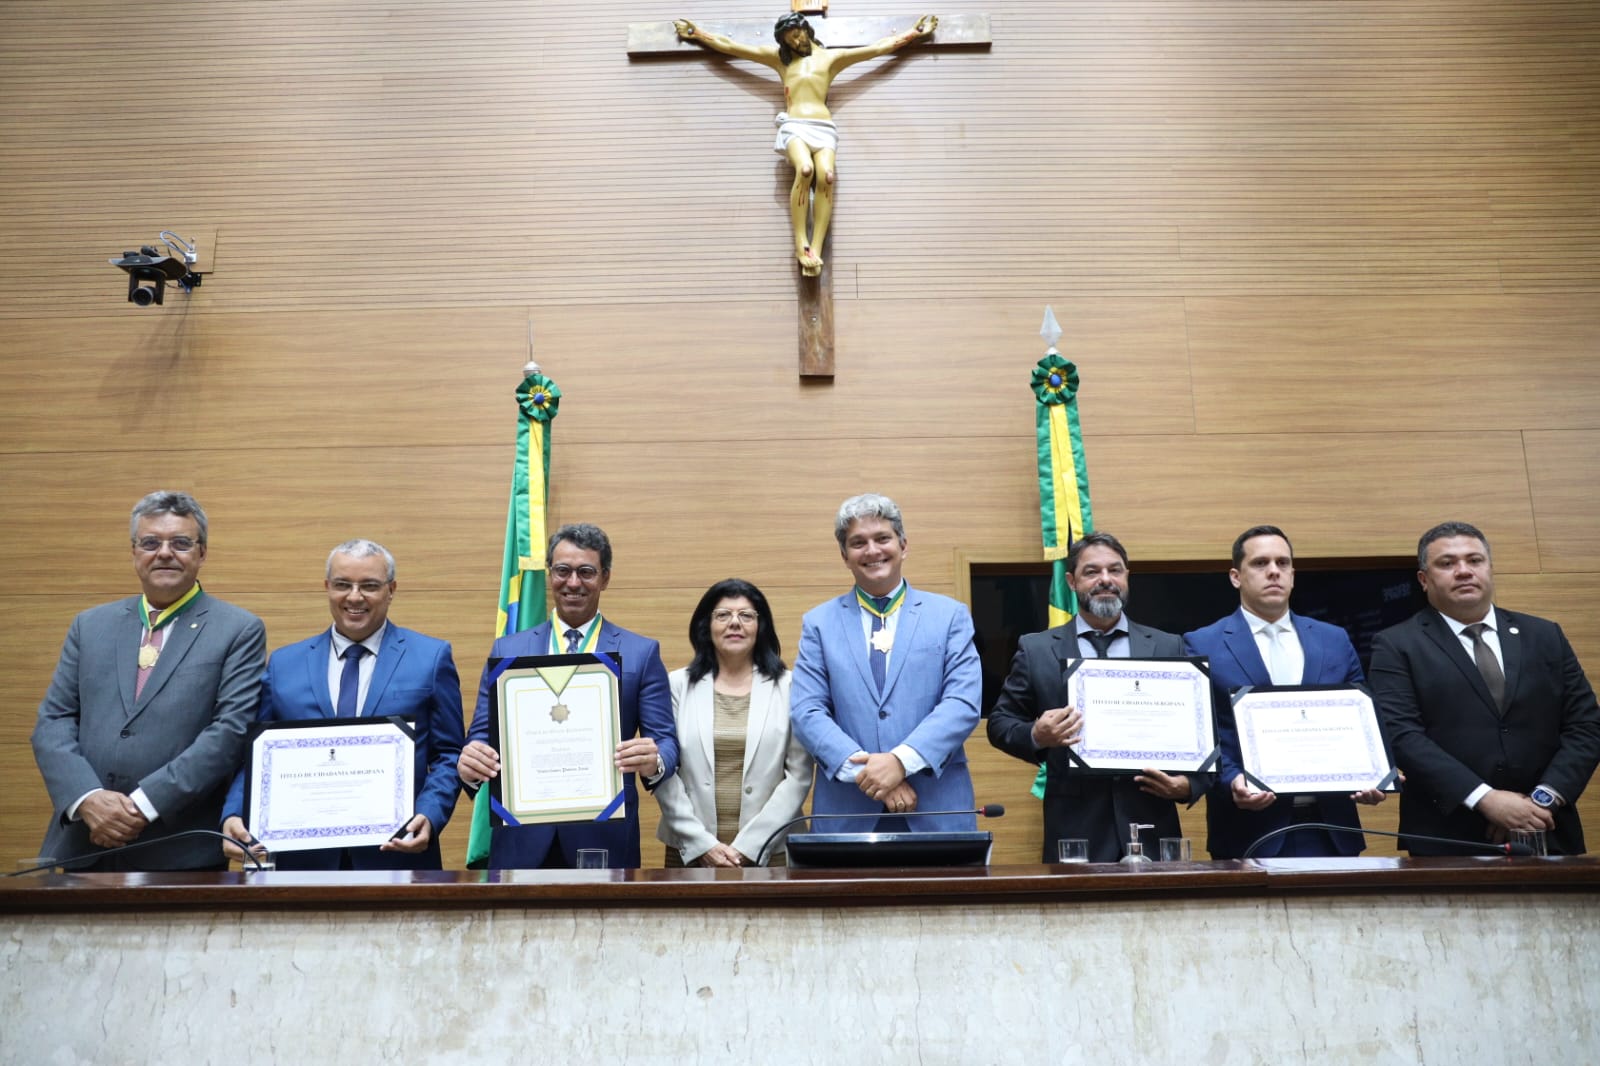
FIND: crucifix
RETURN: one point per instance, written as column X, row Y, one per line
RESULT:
column 807, row 135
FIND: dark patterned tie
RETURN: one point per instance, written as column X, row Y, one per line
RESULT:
column 1101, row 642
column 880, row 659
column 574, row 640
column 1488, row 665
column 350, row 681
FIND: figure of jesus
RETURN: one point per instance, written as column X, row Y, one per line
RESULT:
column 807, row 135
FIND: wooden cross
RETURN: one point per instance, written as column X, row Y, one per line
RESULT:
column 815, row 293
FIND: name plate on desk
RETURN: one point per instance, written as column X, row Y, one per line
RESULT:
column 1311, row 738
column 1140, row 713
column 556, row 721
column 329, row 783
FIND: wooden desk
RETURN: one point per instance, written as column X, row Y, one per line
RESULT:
column 1367, row 960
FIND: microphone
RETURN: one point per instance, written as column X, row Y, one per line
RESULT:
column 1508, row 848
column 94, row 856
column 988, row 810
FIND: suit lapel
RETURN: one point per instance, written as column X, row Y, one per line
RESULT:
column 1310, row 647
column 128, row 635
column 1438, row 630
column 1141, row 645
column 850, row 624
column 761, row 696
column 390, row 652
column 698, row 715
column 905, row 631
column 316, row 666
column 1241, row 644
column 182, row 633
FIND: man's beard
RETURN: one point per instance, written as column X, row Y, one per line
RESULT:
column 1107, row 605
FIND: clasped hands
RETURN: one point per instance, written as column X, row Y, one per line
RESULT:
column 112, row 817
column 883, row 778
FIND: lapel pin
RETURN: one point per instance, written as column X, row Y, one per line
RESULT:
column 196, row 625
column 1513, row 630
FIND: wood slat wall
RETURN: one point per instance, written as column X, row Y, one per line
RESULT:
column 1329, row 264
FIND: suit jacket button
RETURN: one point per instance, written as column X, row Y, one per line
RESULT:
column 126, row 734
column 748, row 790
column 883, row 714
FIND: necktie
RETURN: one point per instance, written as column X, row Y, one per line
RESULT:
column 1101, row 642
column 574, row 640
column 155, row 639
column 1488, row 665
column 350, row 681
column 1278, row 656
column 880, row 658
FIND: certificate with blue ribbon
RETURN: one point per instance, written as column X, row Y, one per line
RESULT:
column 556, row 721
column 1142, row 713
column 1311, row 738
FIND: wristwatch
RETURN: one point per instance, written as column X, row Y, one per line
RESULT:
column 1544, row 797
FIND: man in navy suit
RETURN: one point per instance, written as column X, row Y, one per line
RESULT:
column 886, row 688
column 1489, row 713
column 1264, row 643
column 578, row 561
column 365, row 667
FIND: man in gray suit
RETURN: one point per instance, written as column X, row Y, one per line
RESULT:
column 1032, row 721
column 144, row 723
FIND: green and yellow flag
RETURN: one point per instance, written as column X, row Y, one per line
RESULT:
column 522, row 579
column 1064, row 511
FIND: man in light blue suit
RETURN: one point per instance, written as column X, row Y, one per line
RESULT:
column 364, row 666
column 1301, row 651
column 578, row 561
column 886, row 688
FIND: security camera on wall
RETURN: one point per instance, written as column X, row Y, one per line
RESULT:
column 149, row 269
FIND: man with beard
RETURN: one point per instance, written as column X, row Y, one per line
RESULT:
column 1032, row 720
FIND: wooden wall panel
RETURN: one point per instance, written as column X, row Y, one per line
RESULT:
column 1322, row 263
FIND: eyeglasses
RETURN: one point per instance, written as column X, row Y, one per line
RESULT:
column 587, row 574
column 725, row 616
column 368, row 588
column 151, row 545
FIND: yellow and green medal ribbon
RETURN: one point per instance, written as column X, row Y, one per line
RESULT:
column 871, row 608
column 558, row 644
column 165, row 615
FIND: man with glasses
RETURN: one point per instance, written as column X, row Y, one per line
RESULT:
column 365, row 667
column 143, row 725
column 578, row 562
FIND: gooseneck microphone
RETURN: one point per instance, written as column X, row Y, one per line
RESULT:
column 1508, row 848
column 988, row 810
column 95, row 856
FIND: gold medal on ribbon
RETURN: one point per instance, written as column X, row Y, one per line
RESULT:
column 560, row 713
column 882, row 641
column 148, row 654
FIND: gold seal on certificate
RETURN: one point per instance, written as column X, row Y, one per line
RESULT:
column 1311, row 738
column 1143, row 713
column 556, row 721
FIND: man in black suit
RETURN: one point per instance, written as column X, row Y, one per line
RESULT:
column 1031, row 721
column 1488, row 712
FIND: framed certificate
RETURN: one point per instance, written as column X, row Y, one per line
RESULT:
column 1140, row 713
column 556, row 721
column 329, row 783
column 1311, row 738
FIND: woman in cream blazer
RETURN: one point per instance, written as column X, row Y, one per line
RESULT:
column 732, row 710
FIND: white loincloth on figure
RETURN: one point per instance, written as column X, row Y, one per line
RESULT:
column 816, row 133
